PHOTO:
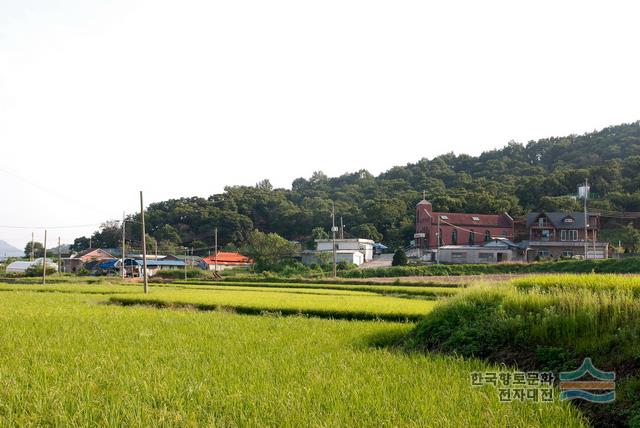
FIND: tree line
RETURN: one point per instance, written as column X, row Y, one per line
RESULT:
column 538, row 175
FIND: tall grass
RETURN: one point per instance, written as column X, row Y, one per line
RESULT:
column 489, row 319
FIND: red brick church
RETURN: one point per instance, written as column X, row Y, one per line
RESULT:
column 458, row 228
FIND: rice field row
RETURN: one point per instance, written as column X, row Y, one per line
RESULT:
column 594, row 282
column 425, row 291
column 249, row 301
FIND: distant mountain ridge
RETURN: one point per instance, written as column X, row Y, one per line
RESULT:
column 8, row 250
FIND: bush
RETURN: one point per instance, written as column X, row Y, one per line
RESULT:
column 344, row 265
column 399, row 258
column 36, row 270
column 192, row 273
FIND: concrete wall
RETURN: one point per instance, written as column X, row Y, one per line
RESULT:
column 474, row 255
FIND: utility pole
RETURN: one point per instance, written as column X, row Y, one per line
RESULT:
column 333, row 233
column 438, row 245
column 59, row 258
column 185, row 263
column 44, row 260
column 32, row 255
column 156, row 248
column 341, row 228
column 122, row 267
column 144, row 247
column 215, row 250
column 90, row 244
column 586, row 230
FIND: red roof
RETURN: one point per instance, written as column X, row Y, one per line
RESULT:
column 463, row 219
column 228, row 258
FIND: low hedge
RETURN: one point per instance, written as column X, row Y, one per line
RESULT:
column 627, row 265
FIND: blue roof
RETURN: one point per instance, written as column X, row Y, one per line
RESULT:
column 163, row 262
column 110, row 264
column 151, row 263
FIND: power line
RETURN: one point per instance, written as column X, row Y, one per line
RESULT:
column 50, row 227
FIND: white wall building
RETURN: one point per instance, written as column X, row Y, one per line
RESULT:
column 364, row 246
column 22, row 266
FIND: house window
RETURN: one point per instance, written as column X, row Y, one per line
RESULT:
column 485, row 256
column 454, row 237
column 543, row 254
column 567, row 253
column 444, row 217
column 568, row 220
column 458, row 256
column 569, row 235
column 472, row 237
column 475, row 218
column 487, row 236
column 546, row 234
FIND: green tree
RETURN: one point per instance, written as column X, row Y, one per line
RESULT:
column 399, row 258
column 109, row 235
column 167, row 233
column 366, row 231
column 558, row 203
column 319, row 233
column 268, row 249
column 631, row 239
column 80, row 244
column 38, row 249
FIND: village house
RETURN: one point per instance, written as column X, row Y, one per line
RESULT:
column 563, row 235
column 225, row 260
column 458, row 228
column 77, row 261
column 353, row 251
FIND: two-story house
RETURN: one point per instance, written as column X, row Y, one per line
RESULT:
column 557, row 235
column 458, row 228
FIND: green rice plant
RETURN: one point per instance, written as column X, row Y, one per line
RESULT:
column 627, row 265
column 593, row 282
column 366, row 306
column 336, row 281
column 73, row 287
column 66, row 360
column 425, row 291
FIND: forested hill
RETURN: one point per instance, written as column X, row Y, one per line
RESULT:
column 517, row 178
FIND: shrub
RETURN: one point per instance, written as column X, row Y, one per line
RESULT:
column 399, row 258
column 192, row 272
column 36, row 270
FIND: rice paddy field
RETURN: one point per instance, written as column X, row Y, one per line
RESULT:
column 75, row 353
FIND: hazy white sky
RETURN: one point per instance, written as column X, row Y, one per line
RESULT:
column 100, row 99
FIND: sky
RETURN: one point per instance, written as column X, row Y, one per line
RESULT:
column 102, row 99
